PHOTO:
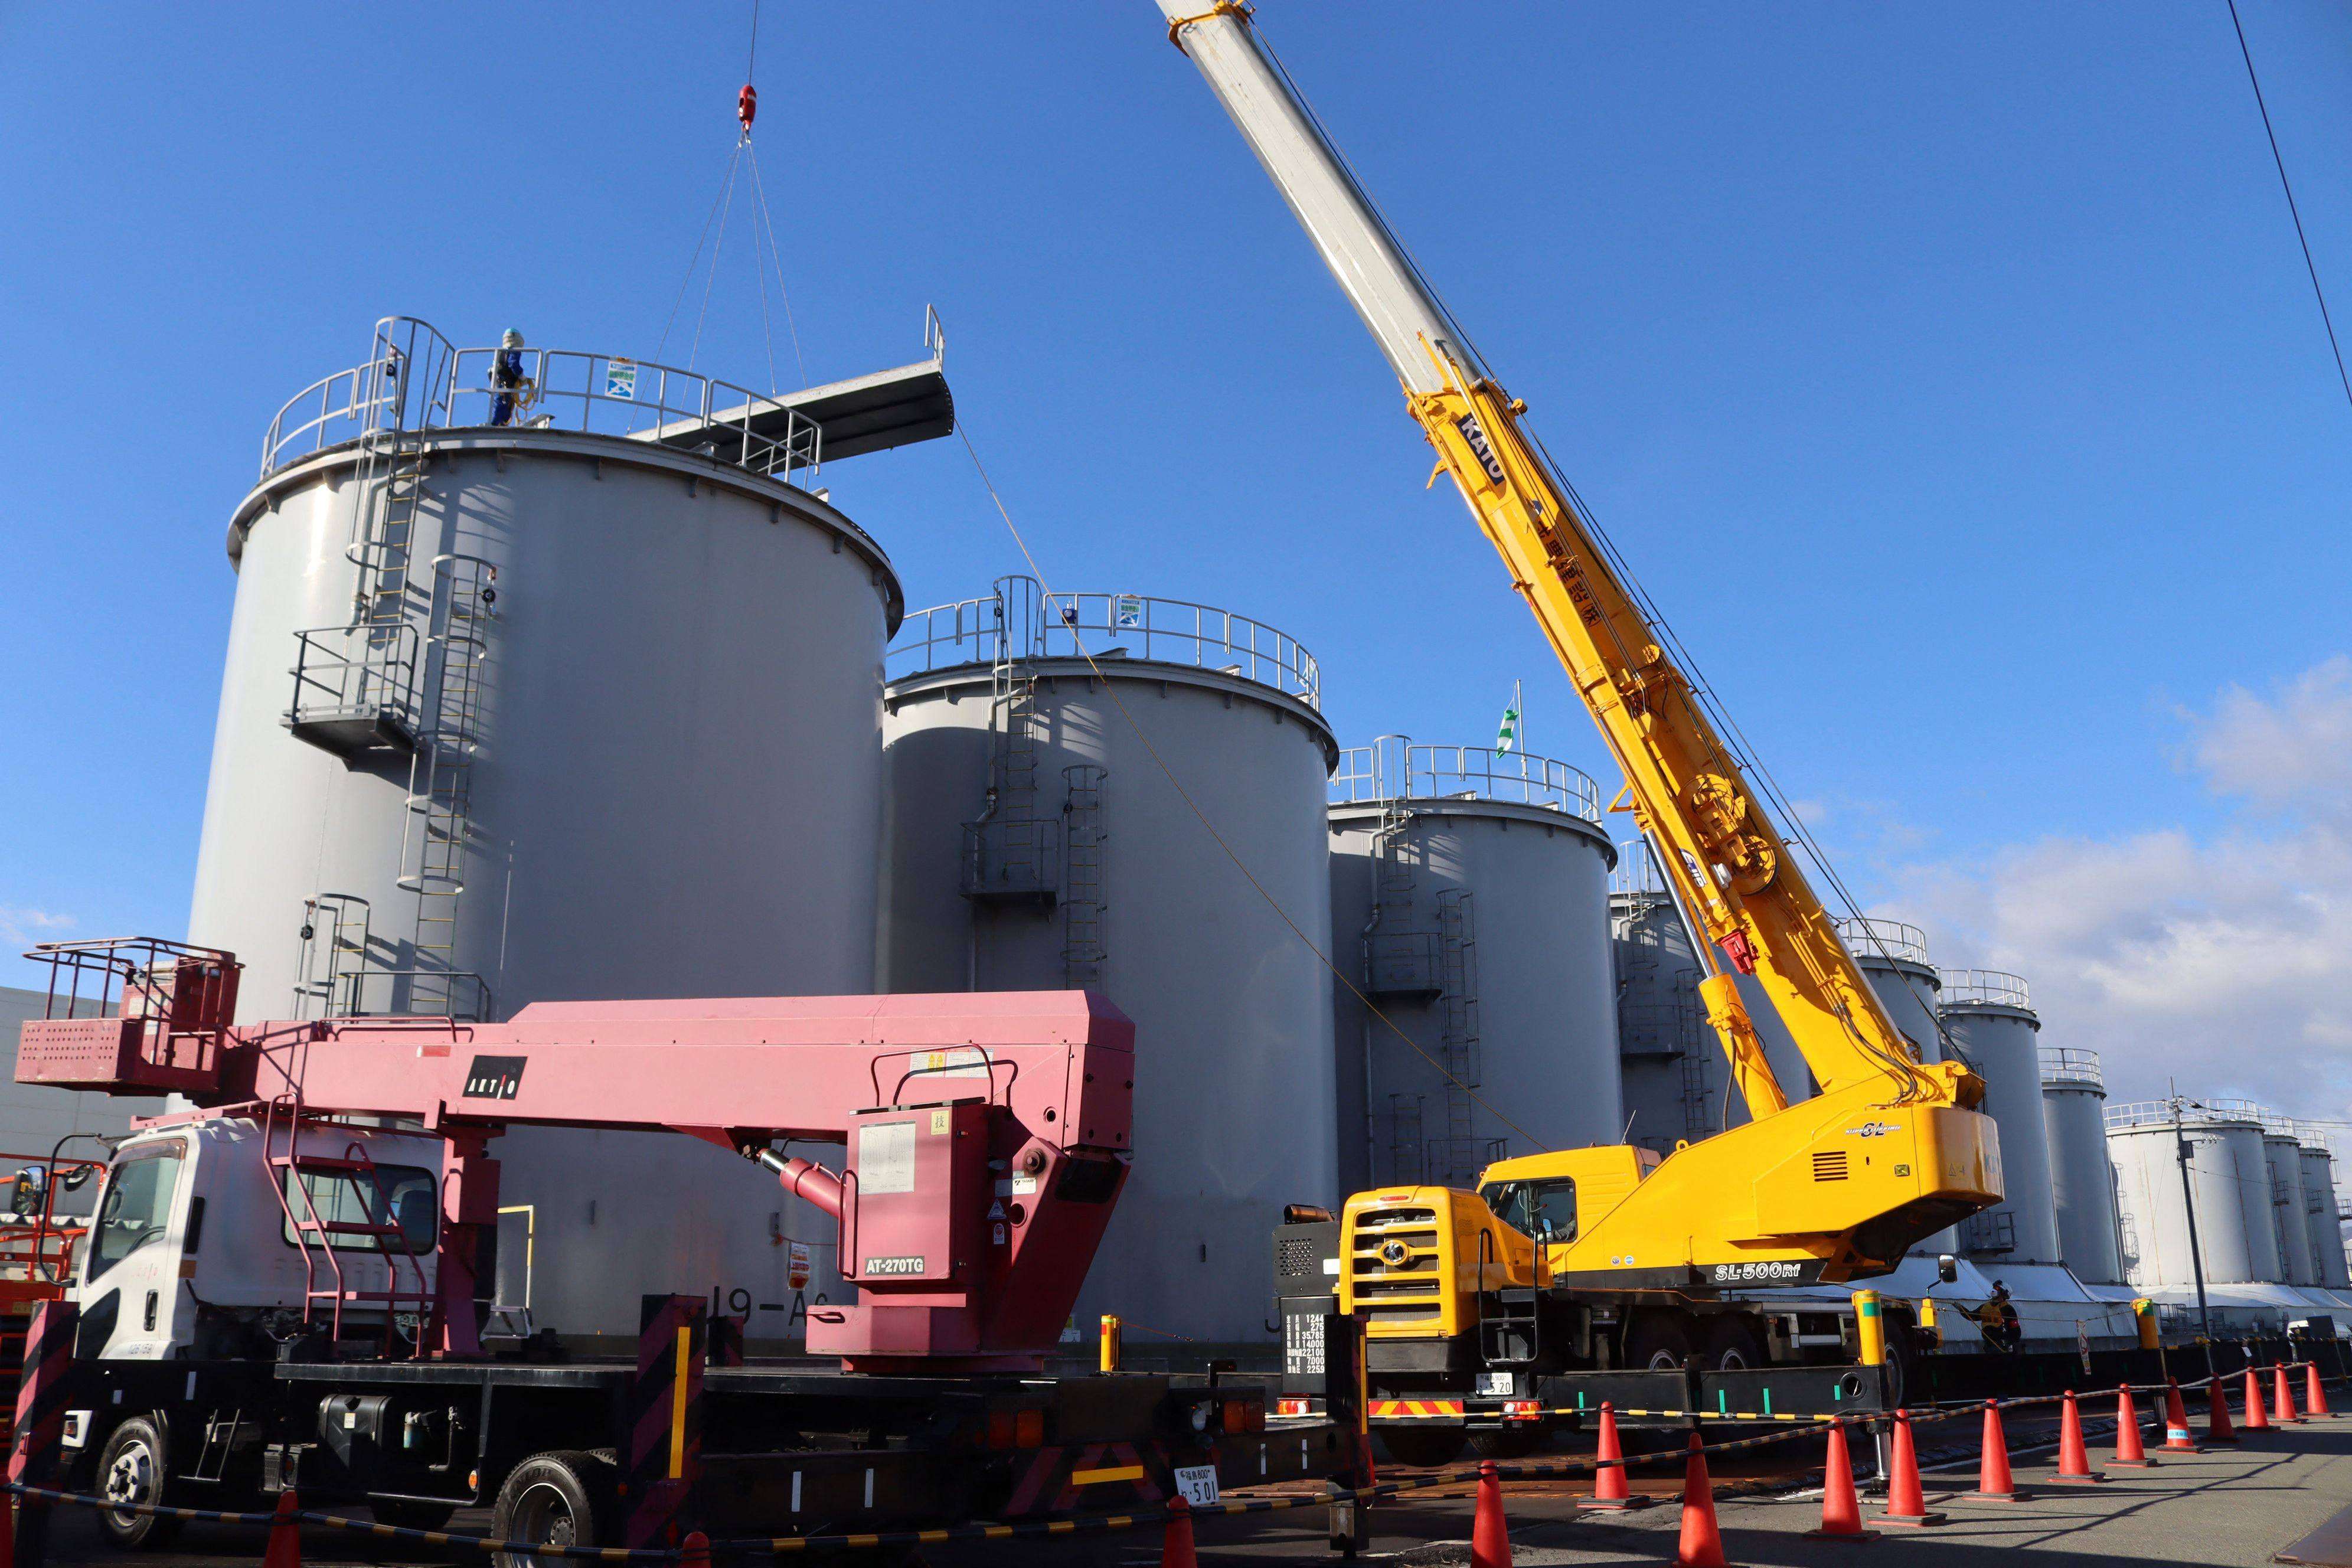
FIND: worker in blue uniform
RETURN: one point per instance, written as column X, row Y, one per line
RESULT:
column 511, row 386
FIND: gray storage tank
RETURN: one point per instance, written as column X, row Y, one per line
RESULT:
column 2225, row 1160
column 582, row 704
column 2326, row 1227
column 1032, row 839
column 1987, row 1017
column 1472, row 887
column 2082, row 1180
column 2289, row 1221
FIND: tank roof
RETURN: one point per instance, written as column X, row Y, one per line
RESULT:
column 1023, row 622
column 1392, row 768
column 1893, row 942
column 1983, row 988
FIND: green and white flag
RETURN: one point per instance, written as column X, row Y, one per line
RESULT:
column 1507, row 735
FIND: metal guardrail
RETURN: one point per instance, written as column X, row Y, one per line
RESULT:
column 1393, row 768
column 417, row 380
column 1866, row 938
column 2072, row 1063
column 2193, row 1112
column 1106, row 626
column 1993, row 986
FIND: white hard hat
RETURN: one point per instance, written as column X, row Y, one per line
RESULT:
column 513, row 338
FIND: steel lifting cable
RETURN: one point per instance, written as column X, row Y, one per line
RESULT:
column 1263, row 891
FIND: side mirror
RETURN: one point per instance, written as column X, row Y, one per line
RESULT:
column 24, row 1198
column 1948, row 1268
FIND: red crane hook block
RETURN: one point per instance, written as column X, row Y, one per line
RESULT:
column 747, row 105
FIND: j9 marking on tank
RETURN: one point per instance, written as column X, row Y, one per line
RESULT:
column 493, row 1078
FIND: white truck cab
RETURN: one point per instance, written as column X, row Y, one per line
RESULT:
column 201, row 1247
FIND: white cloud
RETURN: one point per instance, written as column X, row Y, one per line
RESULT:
column 2222, row 961
column 23, row 927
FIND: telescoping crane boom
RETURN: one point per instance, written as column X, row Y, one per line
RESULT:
column 1832, row 1188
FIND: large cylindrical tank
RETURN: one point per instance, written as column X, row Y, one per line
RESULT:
column 1076, row 804
column 2254, row 1184
column 1989, row 1018
column 578, row 714
column 2225, row 1161
column 2290, row 1221
column 1670, row 1065
column 2326, row 1227
column 2082, row 1180
column 1893, row 956
column 1473, row 889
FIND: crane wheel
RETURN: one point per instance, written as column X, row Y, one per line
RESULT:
column 1733, row 1344
column 133, row 1468
column 1657, row 1342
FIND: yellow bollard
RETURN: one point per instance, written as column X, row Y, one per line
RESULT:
column 1929, row 1328
column 1870, row 1328
column 1110, row 1342
column 2144, row 1312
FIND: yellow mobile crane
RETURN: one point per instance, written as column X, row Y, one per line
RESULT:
column 1833, row 1188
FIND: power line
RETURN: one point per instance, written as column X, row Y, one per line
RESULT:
column 2301, row 238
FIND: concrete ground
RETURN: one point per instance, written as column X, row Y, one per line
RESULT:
column 2225, row 1507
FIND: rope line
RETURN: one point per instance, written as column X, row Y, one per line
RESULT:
column 2293, row 211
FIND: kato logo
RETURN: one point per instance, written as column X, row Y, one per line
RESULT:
column 493, row 1078
column 894, row 1266
column 1480, row 448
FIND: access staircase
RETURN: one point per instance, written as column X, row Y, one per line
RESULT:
column 325, row 1284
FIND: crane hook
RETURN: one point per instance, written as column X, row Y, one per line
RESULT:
column 747, row 106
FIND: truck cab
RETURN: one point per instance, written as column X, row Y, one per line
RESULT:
column 203, row 1247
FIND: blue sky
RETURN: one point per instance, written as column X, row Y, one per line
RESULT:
column 1950, row 374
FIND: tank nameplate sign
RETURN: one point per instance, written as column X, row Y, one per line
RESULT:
column 493, row 1078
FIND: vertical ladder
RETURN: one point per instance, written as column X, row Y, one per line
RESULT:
column 1082, row 903
column 1408, row 1154
column 1011, row 852
column 1457, row 946
column 291, row 1170
column 440, row 800
column 332, row 959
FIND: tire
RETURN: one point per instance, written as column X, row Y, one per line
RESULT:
column 1429, row 1446
column 559, row 1498
column 134, row 1468
column 1516, row 1441
column 406, row 1513
column 1656, row 1341
column 1733, row 1345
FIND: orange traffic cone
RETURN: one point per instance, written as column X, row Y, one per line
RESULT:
column 2282, row 1401
column 2073, row 1459
column 1906, row 1504
column 2178, row 1438
column 2130, row 1454
column 2314, row 1398
column 1176, row 1546
column 285, row 1534
column 1993, row 1481
column 2218, row 1426
column 1702, row 1544
column 1490, row 1538
column 1610, row 1489
column 2257, row 1420
column 1840, row 1510
column 695, row 1551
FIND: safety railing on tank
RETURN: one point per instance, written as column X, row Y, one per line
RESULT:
column 1866, row 937
column 1393, row 768
column 2189, row 1112
column 1107, row 626
column 1988, row 986
column 417, row 381
column 2072, row 1063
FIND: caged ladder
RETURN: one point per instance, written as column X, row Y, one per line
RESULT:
column 290, row 1172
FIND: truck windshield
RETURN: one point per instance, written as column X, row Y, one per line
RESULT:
column 1545, row 1210
column 137, row 1207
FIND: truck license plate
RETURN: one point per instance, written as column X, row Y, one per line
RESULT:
column 1494, row 1385
column 1198, row 1483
